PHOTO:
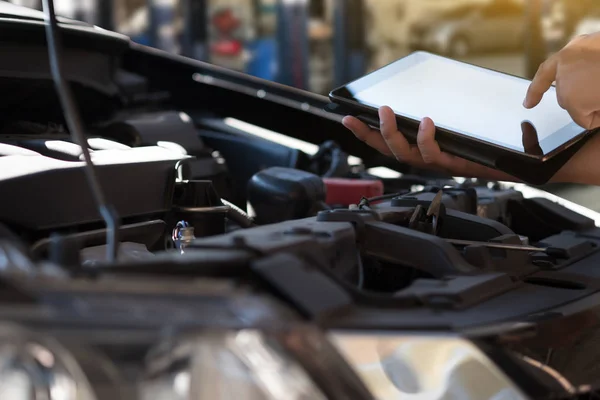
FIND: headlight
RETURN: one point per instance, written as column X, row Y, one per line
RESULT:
column 38, row 368
column 424, row 367
column 242, row 365
column 248, row 364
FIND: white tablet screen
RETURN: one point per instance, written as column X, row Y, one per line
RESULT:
column 469, row 100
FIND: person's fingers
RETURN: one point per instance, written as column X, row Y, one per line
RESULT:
column 431, row 152
column 365, row 134
column 531, row 143
column 355, row 126
column 427, row 154
column 433, row 156
column 542, row 81
column 394, row 139
column 429, row 148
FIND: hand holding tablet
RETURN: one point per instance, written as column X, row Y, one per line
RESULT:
column 479, row 116
column 427, row 154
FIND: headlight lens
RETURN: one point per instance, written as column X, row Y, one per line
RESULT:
column 32, row 367
column 292, row 363
column 424, row 367
column 242, row 365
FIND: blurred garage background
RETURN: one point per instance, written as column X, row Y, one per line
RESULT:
column 319, row 44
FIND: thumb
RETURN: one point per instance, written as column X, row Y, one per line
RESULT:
column 429, row 148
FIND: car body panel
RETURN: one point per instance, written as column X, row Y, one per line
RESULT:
column 483, row 28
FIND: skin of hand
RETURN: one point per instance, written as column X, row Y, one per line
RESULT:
column 576, row 70
column 426, row 154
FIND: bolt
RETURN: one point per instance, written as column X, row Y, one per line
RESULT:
column 187, row 234
column 183, row 235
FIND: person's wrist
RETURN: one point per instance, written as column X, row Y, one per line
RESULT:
column 583, row 167
column 564, row 175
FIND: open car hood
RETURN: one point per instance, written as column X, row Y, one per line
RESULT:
column 8, row 10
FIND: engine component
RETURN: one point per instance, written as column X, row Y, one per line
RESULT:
column 147, row 174
column 329, row 161
column 238, row 216
column 282, row 194
column 175, row 131
column 74, row 121
column 551, row 251
column 148, row 234
column 246, row 155
column 198, row 203
column 453, row 279
column 464, row 200
column 345, row 192
column 128, row 252
column 538, row 218
column 183, row 234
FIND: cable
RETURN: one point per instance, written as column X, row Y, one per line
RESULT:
column 361, row 271
column 365, row 202
column 71, row 114
column 238, row 215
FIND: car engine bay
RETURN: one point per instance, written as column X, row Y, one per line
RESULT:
column 223, row 228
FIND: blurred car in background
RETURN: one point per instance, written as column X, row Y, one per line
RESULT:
column 472, row 28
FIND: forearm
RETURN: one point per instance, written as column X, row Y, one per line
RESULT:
column 584, row 167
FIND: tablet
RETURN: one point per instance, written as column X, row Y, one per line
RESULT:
column 471, row 102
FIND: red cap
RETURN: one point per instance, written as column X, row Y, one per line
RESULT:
column 350, row 191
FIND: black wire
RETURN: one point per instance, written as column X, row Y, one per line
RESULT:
column 361, row 271
column 71, row 114
column 365, row 202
